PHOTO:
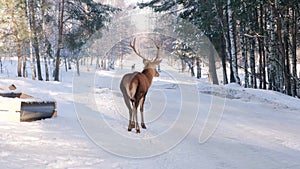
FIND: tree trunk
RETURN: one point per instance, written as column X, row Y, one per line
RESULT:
column 261, row 66
column 252, row 64
column 35, row 40
column 77, row 66
column 46, row 69
column 66, row 64
column 262, row 50
column 212, row 65
column 224, row 43
column 24, row 61
column 19, row 57
column 287, row 70
column 294, row 51
column 280, row 74
column 1, row 66
column 32, row 61
column 98, row 63
column 263, row 25
column 69, row 64
column 272, row 58
column 232, row 38
column 244, row 56
column 183, row 65
column 228, row 51
column 257, row 32
column 223, row 57
column 191, row 66
column 44, row 40
column 92, row 60
column 59, row 44
column 198, row 68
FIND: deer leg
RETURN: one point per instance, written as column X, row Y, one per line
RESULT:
column 132, row 121
column 137, row 127
column 127, row 102
column 142, row 112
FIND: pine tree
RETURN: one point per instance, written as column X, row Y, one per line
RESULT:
column 14, row 32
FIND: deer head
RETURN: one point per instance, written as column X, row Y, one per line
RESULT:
column 149, row 64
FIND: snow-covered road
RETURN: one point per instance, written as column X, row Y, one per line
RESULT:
column 250, row 129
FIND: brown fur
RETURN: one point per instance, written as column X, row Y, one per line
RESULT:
column 134, row 87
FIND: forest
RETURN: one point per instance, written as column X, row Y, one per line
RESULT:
column 256, row 43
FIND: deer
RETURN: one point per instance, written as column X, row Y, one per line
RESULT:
column 133, row 67
column 134, row 86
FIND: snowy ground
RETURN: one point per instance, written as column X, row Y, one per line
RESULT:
column 191, row 124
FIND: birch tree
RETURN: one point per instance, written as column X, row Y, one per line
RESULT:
column 232, row 44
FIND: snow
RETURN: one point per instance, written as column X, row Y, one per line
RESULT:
column 190, row 124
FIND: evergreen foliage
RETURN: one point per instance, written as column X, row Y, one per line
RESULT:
column 258, row 36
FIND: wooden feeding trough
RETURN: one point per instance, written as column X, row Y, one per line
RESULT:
column 22, row 107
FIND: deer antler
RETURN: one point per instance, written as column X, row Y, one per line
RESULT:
column 158, row 46
column 133, row 46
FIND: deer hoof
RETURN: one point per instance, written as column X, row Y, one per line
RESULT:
column 138, row 131
column 129, row 129
column 143, row 126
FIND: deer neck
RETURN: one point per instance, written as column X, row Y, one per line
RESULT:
column 149, row 74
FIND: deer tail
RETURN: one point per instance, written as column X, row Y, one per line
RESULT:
column 132, row 90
